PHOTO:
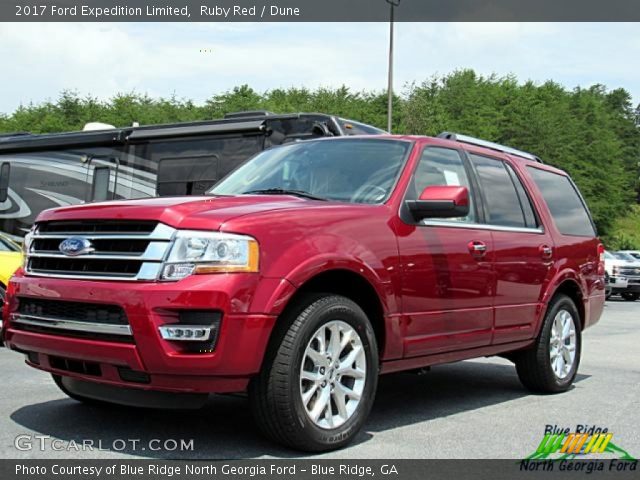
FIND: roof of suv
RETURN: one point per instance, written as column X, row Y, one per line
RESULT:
column 471, row 144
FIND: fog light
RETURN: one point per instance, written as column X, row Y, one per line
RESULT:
column 186, row 333
column 177, row 271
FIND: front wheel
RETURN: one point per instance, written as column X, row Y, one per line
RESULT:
column 551, row 365
column 319, row 379
column 630, row 296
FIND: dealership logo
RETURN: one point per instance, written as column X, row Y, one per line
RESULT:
column 75, row 246
column 567, row 444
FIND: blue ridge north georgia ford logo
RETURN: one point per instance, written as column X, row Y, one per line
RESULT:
column 74, row 246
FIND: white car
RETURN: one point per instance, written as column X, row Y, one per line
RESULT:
column 623, row 275
column 634, row 253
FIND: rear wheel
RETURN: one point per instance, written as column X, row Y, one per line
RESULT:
column 630, row 296
column 318, row 382
column 551, row 365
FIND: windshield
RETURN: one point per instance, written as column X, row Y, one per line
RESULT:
column 353, row 170
column 625, row 256
column 8, row 246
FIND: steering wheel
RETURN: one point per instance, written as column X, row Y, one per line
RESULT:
column 367, row 192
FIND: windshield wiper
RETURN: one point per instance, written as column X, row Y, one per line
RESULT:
column 284, row 191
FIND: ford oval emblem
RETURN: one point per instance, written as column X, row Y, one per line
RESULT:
column 74, row 246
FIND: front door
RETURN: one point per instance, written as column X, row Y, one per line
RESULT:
column 448, row 281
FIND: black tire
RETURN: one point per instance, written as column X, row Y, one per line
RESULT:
column 274, row 394
column 630, row 296
column 534, row 364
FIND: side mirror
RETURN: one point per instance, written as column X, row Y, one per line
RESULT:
column 440, row 202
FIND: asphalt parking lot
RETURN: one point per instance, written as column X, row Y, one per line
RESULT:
column 473, row 409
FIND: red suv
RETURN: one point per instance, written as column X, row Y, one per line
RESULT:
column 306, row 273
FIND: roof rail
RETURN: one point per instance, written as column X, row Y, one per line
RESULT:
column 457, row 137
column 248, row 114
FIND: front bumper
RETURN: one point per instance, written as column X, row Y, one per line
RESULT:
column 617, row 282
column 630, row 285
column 161, row 364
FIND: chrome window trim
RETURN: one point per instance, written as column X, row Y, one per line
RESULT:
column 74, row 325
column 481, row 226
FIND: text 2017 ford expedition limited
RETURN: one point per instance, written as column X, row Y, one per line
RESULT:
column 307, row 272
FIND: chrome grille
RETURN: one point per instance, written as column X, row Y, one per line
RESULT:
column 87, row 227
column 58, row 317
column 120, row 250
column 74, row 311
column 630, row 271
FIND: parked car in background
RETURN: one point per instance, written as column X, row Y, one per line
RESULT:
column 623, row 275
column 106, row 163
column 306, row 273
column 615, row 283
column 629, row 268
column 10, row 261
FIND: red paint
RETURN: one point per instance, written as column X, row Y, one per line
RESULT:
column 443, row 297
column 459, row 196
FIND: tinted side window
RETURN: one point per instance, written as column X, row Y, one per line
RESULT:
column 192, row 166
column 525, row 202
column 187, row 176
column 503, row 203
column 564, row 202
column 441, row 166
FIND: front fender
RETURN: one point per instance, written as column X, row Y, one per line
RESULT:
column 318, row 254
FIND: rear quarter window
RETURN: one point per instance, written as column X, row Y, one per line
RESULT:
column 565, row 204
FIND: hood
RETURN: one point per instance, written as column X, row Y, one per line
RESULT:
column 204, row 213
column 622, row 263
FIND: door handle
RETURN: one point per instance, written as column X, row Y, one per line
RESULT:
column 546, row 251
column 477, row 249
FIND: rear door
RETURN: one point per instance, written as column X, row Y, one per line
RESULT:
column 523, row 250
column 447, row 276
column 576, row 244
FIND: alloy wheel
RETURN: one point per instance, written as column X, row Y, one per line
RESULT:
column 563, row 342
column 333, row 374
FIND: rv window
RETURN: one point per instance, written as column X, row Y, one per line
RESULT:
column 100, row 186
column 187, row 175
column 4, row 181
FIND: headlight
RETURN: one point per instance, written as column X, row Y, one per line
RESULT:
column 196, row 252
column 615, row 270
